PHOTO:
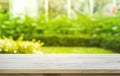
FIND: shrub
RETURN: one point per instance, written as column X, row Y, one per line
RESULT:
column 111, row 42
column 16, row 26
column 104, row 41
column 8, row 45
column 62, row 40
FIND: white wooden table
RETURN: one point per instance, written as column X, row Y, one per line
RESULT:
column 59, row 65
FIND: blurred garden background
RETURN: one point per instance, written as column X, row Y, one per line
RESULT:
column 60, row 26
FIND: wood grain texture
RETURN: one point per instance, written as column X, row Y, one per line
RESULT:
column 58, row 75
column 76, row 63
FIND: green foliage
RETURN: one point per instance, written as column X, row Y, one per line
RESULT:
column 20, row 46
column 84, row 30
column 16, row 26
column 110, row 42
column 62, row 40
column 107, row 42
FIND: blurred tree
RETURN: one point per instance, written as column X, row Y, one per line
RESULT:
column 58, row 7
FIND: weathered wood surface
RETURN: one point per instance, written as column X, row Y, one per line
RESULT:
column 58, row 75
column 82, row 64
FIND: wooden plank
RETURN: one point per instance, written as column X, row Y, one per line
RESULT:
column 21, row 75
column 88, row 75
column 58, row 75
column 74, row 63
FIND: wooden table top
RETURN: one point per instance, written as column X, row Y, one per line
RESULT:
column 60, row 63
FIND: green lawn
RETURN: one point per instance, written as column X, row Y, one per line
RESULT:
column 75, row 50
